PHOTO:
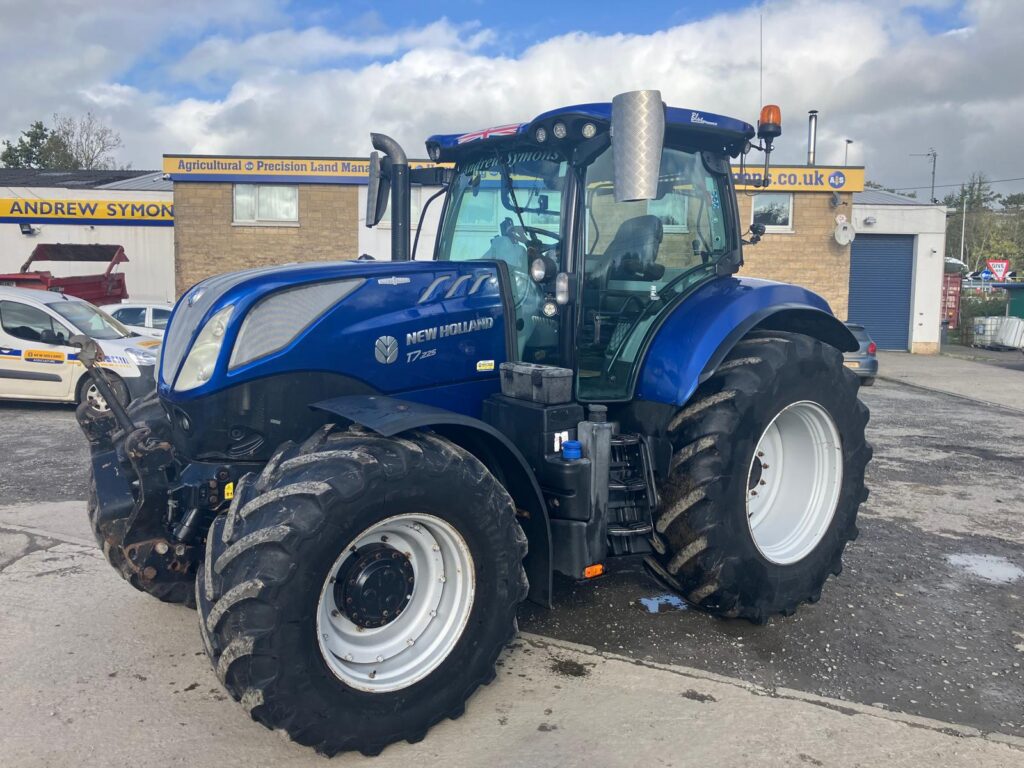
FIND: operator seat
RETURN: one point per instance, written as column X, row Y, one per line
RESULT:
column 632, row 254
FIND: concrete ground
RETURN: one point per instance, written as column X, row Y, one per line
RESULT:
column 986, row 376
column 913, row 656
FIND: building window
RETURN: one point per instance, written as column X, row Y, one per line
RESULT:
column 266, row 204
column 671, row 210
column 774, row 210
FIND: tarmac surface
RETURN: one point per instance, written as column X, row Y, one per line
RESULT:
column 913, row 655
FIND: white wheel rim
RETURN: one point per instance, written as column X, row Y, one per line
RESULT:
column 96, row 401
column 794, row 481
column 412, row 645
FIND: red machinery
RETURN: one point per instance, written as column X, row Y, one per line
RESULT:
column 951, row 282
column 107, row 288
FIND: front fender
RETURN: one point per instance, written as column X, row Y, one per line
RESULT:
column 701, row 331
column 389, row 416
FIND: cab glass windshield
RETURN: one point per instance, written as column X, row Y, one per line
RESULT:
column 91, row 321
column 507, row 206
column 639, row 256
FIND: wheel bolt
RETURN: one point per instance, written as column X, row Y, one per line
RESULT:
column 380, row 658
column 764, row 466
column 760, row 454
column 335, row 613
column 763, row 482
column 753, row 493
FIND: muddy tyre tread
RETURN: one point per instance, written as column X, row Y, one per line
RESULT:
column 698, row 540
column 250, row 644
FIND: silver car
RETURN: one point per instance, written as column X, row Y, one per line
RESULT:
column 863, row 362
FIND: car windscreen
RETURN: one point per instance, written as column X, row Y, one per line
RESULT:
column 91, row 321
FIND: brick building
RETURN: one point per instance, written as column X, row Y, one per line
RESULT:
column 803, row 251
column 239, row 212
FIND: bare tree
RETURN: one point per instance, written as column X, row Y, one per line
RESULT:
column 89, row 142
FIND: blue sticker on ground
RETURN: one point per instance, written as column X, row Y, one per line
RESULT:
column 660, row 603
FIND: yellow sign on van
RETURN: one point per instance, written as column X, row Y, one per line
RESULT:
column 295, row 170
column 800, row 178
column 43, row 356
column 159, row 213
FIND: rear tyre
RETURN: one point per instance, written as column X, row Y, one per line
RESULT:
column 767, row 476
column 361, row 588
column 868, row 381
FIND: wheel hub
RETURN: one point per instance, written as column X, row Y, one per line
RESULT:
column 756, row 470
column 375, row 586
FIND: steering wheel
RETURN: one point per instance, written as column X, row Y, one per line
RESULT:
column 522, row 234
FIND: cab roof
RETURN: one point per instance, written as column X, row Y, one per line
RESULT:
column 705, row 130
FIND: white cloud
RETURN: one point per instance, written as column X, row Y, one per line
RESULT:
column 222, row 57
column 876, row 75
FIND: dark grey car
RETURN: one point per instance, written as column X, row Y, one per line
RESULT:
column 862, row 362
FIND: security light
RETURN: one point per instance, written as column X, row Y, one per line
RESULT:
column 28, row 229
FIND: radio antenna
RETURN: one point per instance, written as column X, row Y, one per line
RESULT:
column 760, row 82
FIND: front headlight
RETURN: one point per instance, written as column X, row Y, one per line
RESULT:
column 140, row 356
column 202, row 358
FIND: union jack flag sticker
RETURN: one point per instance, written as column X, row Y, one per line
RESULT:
column 489, row 133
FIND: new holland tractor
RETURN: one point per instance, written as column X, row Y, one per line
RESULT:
column 356, row 471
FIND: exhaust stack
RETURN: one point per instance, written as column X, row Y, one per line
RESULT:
column 401, row 226
column 812, row 135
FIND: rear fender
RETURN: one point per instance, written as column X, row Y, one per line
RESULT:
column 698, row 335
column 389, row 416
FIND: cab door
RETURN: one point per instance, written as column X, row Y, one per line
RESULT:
column 35, row 359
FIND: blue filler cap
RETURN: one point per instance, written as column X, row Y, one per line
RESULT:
column 571, row 450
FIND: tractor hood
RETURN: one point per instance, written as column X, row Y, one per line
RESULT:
column 390, row 326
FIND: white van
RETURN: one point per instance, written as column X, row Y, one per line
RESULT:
column 37, row 363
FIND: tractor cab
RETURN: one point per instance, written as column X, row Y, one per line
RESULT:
column 594, row 267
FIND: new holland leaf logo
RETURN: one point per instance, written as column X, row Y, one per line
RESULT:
column 385, row 349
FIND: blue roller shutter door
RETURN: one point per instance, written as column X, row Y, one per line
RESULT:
column 881, row 279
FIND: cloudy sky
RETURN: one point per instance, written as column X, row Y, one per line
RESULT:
column 314, row 77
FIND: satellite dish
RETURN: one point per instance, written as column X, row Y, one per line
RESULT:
column 844, row 234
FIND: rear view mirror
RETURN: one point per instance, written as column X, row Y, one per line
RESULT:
column 638, row 134
column 377, row 187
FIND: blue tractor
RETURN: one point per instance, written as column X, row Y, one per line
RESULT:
column 358, row 470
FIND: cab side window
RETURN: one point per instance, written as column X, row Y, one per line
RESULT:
column 160, row 317
column 30, row 324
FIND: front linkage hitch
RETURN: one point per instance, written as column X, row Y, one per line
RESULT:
column 130, row 463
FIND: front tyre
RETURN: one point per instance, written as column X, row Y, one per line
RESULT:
column 767, row 477
column 361, row 588
column 90, row 394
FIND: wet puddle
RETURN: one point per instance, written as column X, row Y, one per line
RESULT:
column 989, row 567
